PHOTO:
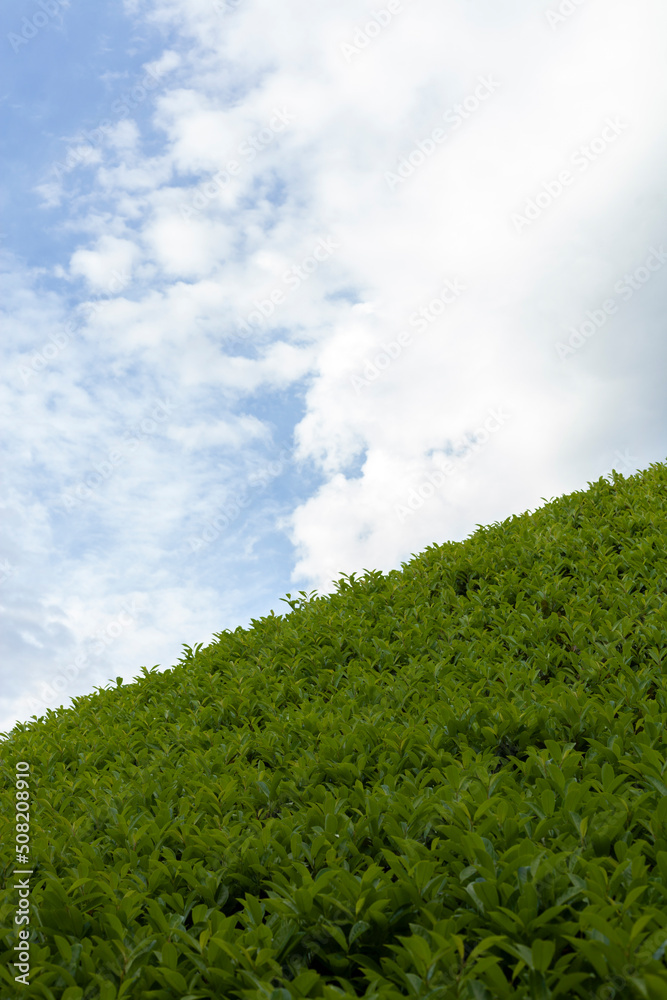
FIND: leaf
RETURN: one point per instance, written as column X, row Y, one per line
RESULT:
column 64, row 947
column 169, row 955
column 338, row 936
column 174, row 979
column 519, row 951
column 656, row 986
column 359, row 928
column 542, row 953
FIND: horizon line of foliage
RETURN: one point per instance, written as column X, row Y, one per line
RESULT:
column 443, row 782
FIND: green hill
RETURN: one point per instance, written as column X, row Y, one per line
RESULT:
column 447, row 781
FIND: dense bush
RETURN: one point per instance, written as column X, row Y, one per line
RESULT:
column 447, row 781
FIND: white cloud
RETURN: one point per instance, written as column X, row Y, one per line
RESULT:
column 232, row 434
column 124, row 135
column 107, row 267
column 168, row 61
column 187, row 248
column 414, row 415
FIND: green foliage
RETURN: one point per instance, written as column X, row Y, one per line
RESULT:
column 444, row 782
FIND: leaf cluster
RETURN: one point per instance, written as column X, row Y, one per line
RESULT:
column 443, row 782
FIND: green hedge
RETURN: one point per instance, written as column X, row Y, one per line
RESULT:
column 447, row 781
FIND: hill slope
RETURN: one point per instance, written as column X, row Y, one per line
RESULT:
column 443, row 782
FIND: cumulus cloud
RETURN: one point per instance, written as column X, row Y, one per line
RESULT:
column 366, row 268
column 111, row 259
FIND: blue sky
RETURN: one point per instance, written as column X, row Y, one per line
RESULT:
column 296, row 290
